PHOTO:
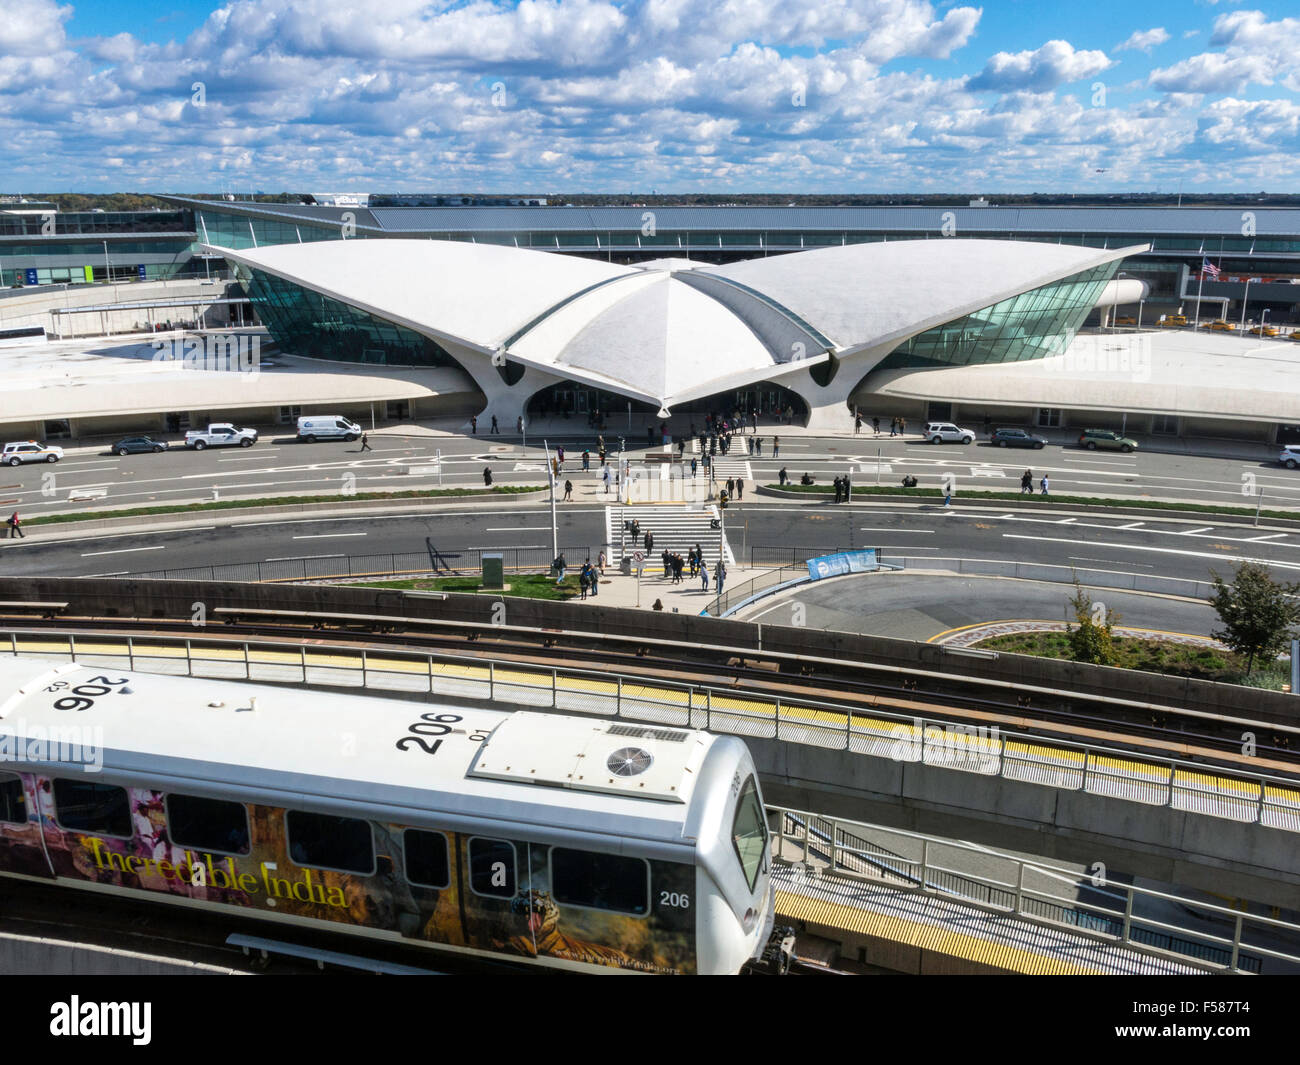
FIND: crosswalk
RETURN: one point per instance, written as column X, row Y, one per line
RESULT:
column 675, row 527
column 725, row 468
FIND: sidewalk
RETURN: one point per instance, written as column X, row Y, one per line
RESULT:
column 686, row 598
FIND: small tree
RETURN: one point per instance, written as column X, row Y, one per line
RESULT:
column 1258, row 614
column 1093, row 639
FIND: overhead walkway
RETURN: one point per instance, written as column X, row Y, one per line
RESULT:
column 921, row 904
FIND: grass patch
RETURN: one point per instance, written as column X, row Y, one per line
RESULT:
column 277, row 501
column 1151, row 656
column 1085, row 501
column 524, row 586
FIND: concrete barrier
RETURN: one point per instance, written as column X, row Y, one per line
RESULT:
column 42, row 956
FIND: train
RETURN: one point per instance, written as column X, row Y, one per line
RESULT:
column 562, row 842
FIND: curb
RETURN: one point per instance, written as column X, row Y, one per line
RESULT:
column 959, row 503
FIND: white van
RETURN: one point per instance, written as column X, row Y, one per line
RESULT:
column 326, row 427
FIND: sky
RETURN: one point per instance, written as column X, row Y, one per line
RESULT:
column 637, row 95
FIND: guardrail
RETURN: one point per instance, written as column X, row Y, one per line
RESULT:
column 1036, row 891
column 461, row 561
column 1247, row 798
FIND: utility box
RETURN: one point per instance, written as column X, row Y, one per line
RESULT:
column 494, row 571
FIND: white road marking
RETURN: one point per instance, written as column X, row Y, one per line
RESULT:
column 328, row 536
column 1109, row 561
column 299, row 558
column 1270, row 536
column 1158, row 550
column 1132, row 525
column 123, row 551
column 905, row 532
column 114, row 573
column 516, row 528
column 1193, row 532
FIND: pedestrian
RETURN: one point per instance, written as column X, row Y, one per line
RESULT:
column 1027, row 482
column 15, row 527
column 875, row 425
column 848, row 489
column 839, row 490
column 776, row 447
column 602, row 454
column 559, row 565
column 559, row 455
column 494, row 425
column 902, row 426
column 857, row 423
column 893, row 427
column 649, row 541
column 1043, row 484
column 583, row 581
column 600, row 562
column 519, row 424
column 649, row 436
column 473, row 426
column 568, row 491
column 782, row 476
column 749, row 445
column 693, row 461
column 605, row 478
column 740, row 488
column 947, row 494
column 719, row 574
column 487, row 476
column 677, row 568
column 659, row 605
column 667, row 560
column 704, row 577
column 586, row 462
column 731, row 486
column 365, row 443
column 758, row 446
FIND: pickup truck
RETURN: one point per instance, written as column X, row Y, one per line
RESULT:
column 220, row 434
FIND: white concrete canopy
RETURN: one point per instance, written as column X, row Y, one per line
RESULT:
column 670, row 330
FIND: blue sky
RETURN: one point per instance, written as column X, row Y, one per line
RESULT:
column 619, row 95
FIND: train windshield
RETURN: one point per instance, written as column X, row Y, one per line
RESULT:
column 749, row 832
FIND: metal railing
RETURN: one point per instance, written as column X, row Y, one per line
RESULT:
column 1195, row 787
column 733, row 596
column 461, row 561
column 813, row 847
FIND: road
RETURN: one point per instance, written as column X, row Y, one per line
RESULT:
column 278, row 466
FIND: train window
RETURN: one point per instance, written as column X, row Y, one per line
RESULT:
column 207, row 824
column 323, row 841
column 100, row 809
column 13, row 805
column 426, row 858
column 600, row 881
column 492, row 867
column 749, row 832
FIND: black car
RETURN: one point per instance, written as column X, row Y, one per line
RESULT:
column 135, row 445
column 1016, row 438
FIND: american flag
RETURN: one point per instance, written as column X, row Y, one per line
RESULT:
column 1209, row 269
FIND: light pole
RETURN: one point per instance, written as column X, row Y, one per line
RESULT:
column 550, row 477
column 1263, row 322
column 1141, row 304
column 108, row 279
column 1244, row 297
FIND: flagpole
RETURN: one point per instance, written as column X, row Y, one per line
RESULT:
column 1199, row 285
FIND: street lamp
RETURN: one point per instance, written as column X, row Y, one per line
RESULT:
column 1244, row 297
column 1141, row 303
column 1263, row 321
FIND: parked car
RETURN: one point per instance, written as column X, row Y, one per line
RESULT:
column 1294, row 334
column 1093, row 439
column 1290, row 456
column 1263, row 331
column 1171, row 321
column 21, row 451
column 220, row 434
column 327, row 427
column 1126, row 319
column 947, row 433
column 1016, row 438
column 138, row 445
column 1222, row 327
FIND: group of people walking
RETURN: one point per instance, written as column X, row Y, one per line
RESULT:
column 1027, row 483
column 897, row 426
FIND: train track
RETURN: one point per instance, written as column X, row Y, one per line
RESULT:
column 859, row 687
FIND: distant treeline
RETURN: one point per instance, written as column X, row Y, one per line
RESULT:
column 134, row 201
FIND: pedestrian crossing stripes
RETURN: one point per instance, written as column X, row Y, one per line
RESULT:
column 672, row 527
column 724, row 468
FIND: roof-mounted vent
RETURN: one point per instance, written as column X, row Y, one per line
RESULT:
column 629, row 761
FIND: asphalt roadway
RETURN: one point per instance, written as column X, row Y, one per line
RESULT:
column 280, row 466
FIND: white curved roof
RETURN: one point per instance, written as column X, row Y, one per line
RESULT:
column 671, row 329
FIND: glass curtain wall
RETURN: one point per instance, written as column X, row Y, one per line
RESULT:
column 1032, row 325
column 309, row 324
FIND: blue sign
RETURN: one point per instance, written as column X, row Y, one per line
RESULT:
column 140, row 271
column 842, row 562
column 31, row 276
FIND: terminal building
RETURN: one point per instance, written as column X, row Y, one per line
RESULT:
column 1025, row 315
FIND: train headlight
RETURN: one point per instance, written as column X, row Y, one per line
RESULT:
column 750, row 920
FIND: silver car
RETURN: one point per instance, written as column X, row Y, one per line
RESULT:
column 1290, row 456
column 29, row 451
column 947, row 433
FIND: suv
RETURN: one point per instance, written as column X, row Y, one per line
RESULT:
column 29, row 451
column 1104, row 438
column 1290, row 456
column 1016, row 438
column 947, row 433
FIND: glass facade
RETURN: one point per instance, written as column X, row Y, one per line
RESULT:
column 309, row 324
column 239, row 231
column 1032, row 325
column 56, row 223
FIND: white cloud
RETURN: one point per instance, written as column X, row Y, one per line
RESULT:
column 1256, row 51
column 1042, row 70
column 1143, row 40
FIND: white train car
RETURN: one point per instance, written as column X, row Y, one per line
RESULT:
column 576, row 843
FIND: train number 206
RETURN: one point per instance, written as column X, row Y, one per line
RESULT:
column 674, row 898
column 428, row 725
